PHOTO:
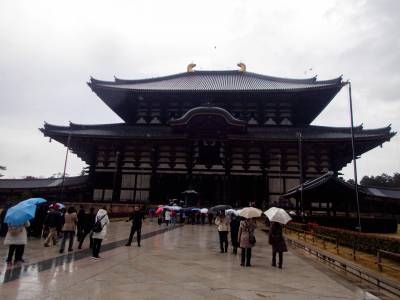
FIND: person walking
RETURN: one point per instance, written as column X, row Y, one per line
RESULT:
column 68, row 229
column 137, row 220
column 278, row 243
column 16, row 239
column 167, row 217
column 90, row 219
column 51, row 222
column 246, row 240
column 235, row 224
column 223, row 228
column 81, row 223
column 98, row 237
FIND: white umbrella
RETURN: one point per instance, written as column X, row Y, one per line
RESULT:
column 276, row 214
column 231, row 212
column 204, row 210
column 173, row 207
column 250, row 212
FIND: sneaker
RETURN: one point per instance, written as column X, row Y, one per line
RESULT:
column 61, row 251
column 46, row 245
column 94, row 257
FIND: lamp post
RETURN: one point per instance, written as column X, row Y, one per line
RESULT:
column 354, row 157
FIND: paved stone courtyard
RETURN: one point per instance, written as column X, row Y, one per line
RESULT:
column 183, row 263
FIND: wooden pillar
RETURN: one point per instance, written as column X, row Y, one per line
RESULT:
column 117, row 177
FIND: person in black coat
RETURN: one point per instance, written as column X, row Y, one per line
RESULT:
column 51, row 222
column 137, row 219
column 235, row 223
column 81, row 223
column 3, row 226
column 278, row 243
column 88, row 224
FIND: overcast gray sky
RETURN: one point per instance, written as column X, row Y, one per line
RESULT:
column 49, row 49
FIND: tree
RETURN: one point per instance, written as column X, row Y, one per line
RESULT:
column 383, row 180
column 3, row 169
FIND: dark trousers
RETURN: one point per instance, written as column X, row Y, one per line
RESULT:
column 67, row 235
column 85, row 233
column 79, row 231
column 274, row 258
column 139, row 235
column 96, row 247
column 19, row 252
column 223, row 240
column 246, row 255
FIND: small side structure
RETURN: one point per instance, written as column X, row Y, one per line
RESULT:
column 331, row 196
column 74, row 188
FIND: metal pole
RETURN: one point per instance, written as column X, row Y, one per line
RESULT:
column 301, row 174
column 65, row 166
column 354, row 158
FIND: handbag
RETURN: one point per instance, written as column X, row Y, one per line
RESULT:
column 252, row 239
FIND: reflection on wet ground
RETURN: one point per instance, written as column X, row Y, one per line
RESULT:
column 184, row 263
column 10, row 273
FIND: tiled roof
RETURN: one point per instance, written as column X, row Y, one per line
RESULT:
column 124, row 130
column 41, row 183
column 216, row 81
column 330, row 177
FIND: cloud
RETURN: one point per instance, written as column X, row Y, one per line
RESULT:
column 50, row 49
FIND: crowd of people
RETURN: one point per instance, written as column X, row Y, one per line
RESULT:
column 60, row 224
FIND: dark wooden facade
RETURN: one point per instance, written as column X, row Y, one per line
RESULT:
column 233, row 136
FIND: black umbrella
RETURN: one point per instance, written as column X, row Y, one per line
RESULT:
column 216, row 209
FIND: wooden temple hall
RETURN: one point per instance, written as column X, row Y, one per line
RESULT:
column 232, row 136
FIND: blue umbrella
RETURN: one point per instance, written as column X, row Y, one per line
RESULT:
column 31, row 201
column 22, row 212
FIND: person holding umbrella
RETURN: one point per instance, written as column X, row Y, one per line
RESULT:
column 16, row 239
column 246, row 240
column 246, row 236
column 278, row 217
column 17, row 218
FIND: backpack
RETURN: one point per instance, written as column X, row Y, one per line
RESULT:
column 98, row 227
column 15, row 230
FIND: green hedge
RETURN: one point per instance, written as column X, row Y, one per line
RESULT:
column 365, row 242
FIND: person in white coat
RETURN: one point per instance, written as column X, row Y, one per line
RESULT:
column 16, row 238
column 99, row 236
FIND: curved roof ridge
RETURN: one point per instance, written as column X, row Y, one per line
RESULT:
column 218, row 72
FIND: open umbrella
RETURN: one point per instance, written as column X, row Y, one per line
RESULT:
column 204, row 210
column 195, row 209
column 250, row 212
column 231, row 212
column 173, row 207
column 159, row 210
column 216, row 209
column 60, row 205
column 22, row 212
column 276, row 214
column 189, row 192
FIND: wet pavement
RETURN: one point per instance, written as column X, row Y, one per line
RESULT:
column 183, row 263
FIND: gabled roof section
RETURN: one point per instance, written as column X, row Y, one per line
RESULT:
column 330, row 177
column 42, row 182
column 230, row 80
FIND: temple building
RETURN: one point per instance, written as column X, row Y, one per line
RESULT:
column 232, row 136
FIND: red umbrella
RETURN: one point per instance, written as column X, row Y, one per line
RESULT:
column 159, row 210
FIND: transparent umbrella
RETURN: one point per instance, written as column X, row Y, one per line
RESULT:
column 275, row 214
